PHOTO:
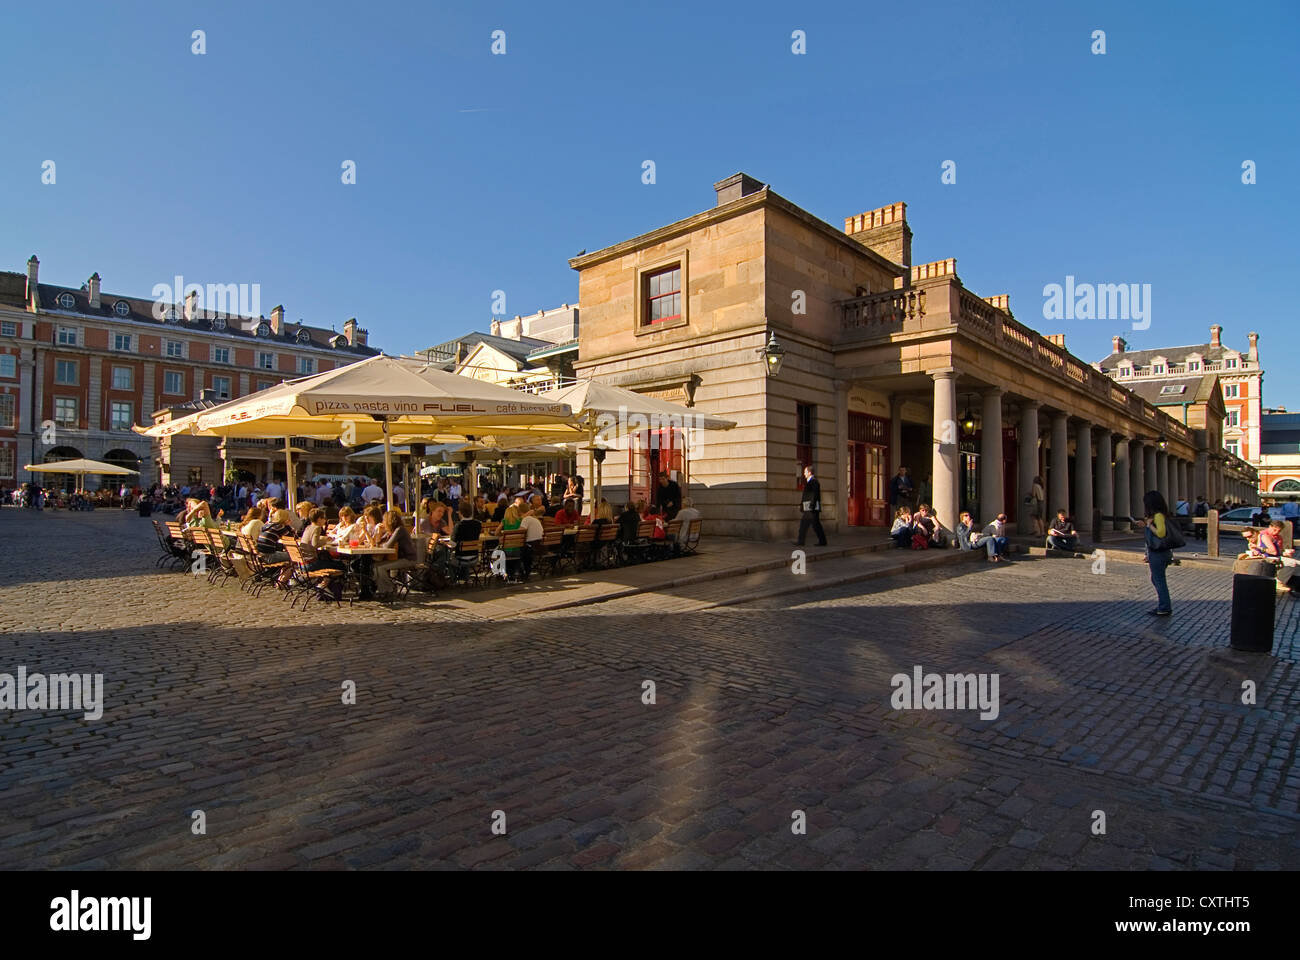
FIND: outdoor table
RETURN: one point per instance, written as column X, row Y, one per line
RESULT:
column 364, row 568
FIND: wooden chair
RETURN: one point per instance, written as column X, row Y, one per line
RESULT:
column 584, row 547
column 513, row 540
column 311, row 583
column 465, row 562
column 607, row 552
column 692, row 537
column 173, row 547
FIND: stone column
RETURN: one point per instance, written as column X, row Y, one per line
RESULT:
column 1137, row 476
column 841, row 485
column 992, row 482
column 944, row 468
column 1058, row 479
column 1026, row 460
column 1083, row 494
column 1149, row 468
column 1162, row 473
column 1104, row 479
column 1184, row 481
column 896, row 439
column 1123, row 482
column 1201, row 478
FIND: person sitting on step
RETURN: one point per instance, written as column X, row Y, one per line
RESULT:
column 901, row 531
column 1062, row 535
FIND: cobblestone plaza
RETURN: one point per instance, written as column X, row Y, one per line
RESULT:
column 220, row 703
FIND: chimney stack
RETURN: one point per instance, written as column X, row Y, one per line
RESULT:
column 885, row 231
column 736, row 186
column 277, row 320
column 496, row 327
column 356, row 336
column 92, row 290
column 1216, row 336
column 191, row 310
column 1056, row 338
column 33, row 276
column 1254, row 348
column 1118, row 344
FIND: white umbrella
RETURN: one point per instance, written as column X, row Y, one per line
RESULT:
column 79, row 468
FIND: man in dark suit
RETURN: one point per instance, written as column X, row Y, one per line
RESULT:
column 812, row 507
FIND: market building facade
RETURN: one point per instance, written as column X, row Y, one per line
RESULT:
column 883, row 364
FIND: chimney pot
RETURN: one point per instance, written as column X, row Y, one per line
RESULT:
column 277, row 320
column 885, row 231
column 1118, row 344
column 92, row 288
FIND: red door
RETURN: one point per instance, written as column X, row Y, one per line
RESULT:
column 651, row 452
column 868, row 479
column 857, row 484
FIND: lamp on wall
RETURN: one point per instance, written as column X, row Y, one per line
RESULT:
column 967, row 419
column 1163, row 442
column 772, row 355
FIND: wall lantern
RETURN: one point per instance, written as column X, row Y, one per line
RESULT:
column 772, row 355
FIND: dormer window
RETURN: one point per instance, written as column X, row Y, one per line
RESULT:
column 219, row 324
column 1126, row 371
column 263, row 329
column 67, row 301
column 122, row 308
column 1193, row 366
column 1157, row 368
column 1230, row 362
column 304, row 336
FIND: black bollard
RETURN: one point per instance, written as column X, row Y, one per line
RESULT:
column 1096, row 525
column 1254, row 600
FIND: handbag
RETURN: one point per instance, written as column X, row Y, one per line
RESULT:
column 1029, row 499
column 809, row 506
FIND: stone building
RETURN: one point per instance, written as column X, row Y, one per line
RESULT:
column 885, row 363
column 1279, row 471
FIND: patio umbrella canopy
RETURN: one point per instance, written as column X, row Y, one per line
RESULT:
column 80, row 468
column 383, row 398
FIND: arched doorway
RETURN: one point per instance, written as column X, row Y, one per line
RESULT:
column 59, row 481
column 1287, row 486
column 126, row 459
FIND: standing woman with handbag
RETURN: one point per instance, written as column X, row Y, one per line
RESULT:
column 1036, row 500
column 1157, row 529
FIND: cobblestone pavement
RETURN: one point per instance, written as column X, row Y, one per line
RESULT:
column 219, row 703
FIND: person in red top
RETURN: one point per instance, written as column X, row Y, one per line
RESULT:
column 568, row 514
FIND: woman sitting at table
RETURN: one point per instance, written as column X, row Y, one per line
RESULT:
column 481, row 511
column 629, row 522
column 642, row 510
column 348, row 528
column 468, row 528
column 400, row 540
column 254, row 520
column 603, row 513
column 312, row 534
column 299, row 520
column 372, row 521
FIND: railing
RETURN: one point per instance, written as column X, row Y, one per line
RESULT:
column 890, row 308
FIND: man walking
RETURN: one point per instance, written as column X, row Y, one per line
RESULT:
column 811, row 506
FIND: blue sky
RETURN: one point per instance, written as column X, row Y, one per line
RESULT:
column 478, row 172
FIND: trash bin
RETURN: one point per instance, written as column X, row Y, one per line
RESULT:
column 146, row 508
column 1254, row 600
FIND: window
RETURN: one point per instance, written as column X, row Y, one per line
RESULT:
column 175, row 348
column 1230, row 363
column 1193, row 366
column 121, row 415
column 8, row 328
column 263, row 329
column 1171, row 389
column 174, row 383
column 220, row 354
column 66, row 337
column 265, row 384
column 122, row 378
column 663, row 296
column 803, row 428
column 266, row 361
column 1126, row 371
column 65, row 372
column 1157, row 368
column 303, row 336
column 6, row 462
column 1233, row 418
column 8, row 365
column 122, row 308
column 222, row 387
column 7, row 412
column 65, row 411
column 122, row 341
column 1234, row 447
column 306, row 364
column 67, row 301
column 219, row 324
column 1232, row 389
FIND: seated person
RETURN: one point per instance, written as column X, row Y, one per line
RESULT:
column 534, row 533
column 311, row 533
column 1062, row 535
column 568, row 514
column 603, row 513
column 901, row 531
column 655, row 515
column 201, row 516
column 347, row 529
column 994, row 539
column 268, row 541
column 642, row 510
column 967, row 536
column 499, row 512
column 253, row 522
column 1270, row 541
column 399, row 539
column 629, row 521
column 1252, row 551
column 687, row 515
column 372, row 521
column 301, row 513
column 924, row 520
column 468, row 528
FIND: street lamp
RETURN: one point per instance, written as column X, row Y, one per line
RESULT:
column 1163, row 442
column 772, row 355
column 968, row 420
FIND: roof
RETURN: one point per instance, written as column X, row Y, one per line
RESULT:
column 13, row 289
column 515, row 349
column 1161, row 393
column 142, row 311
column 1142, row 358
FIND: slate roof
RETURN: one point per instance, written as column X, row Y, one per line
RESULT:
column 1143, row 358
column 515, row 349
column 1196, row 389
column 141, row 311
